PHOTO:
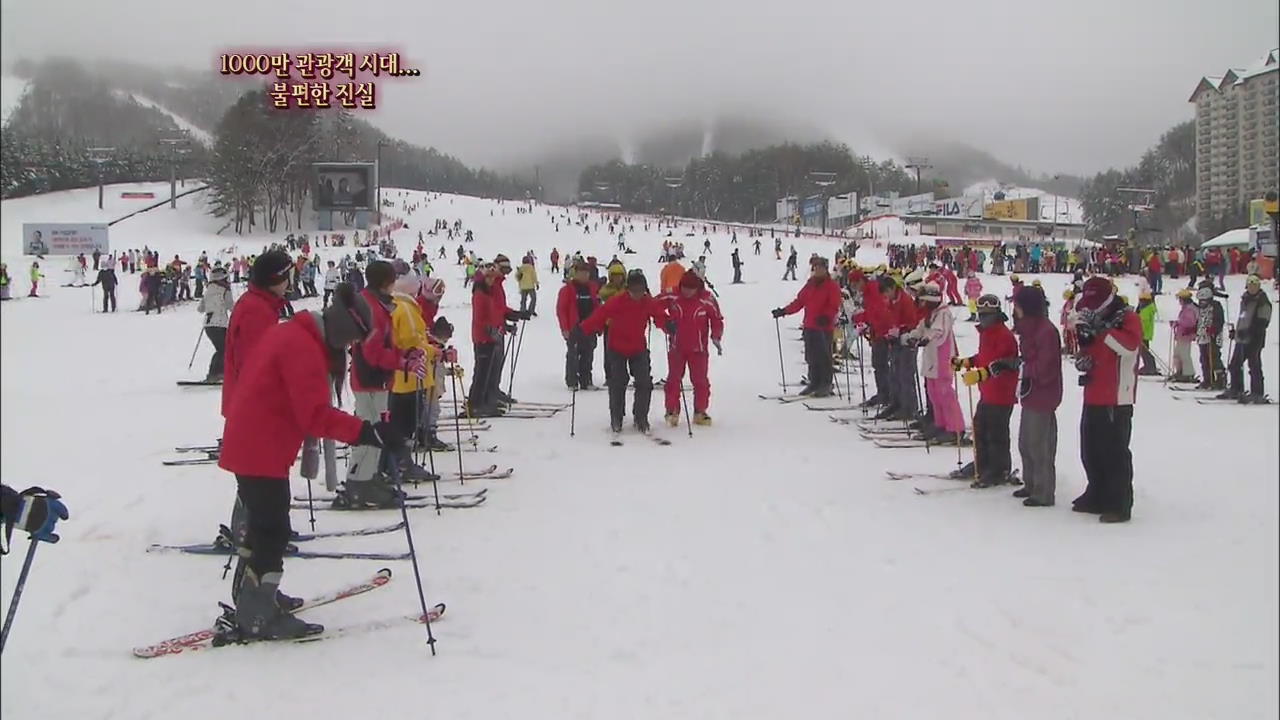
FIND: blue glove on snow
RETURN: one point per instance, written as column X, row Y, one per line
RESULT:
column 39, row 510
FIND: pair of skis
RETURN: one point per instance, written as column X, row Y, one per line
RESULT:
column 206, row 638
column 224, row 545
column 615, row 438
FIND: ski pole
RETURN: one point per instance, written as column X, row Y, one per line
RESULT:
column 392, row 467
column 955, row 377
column 782, row 366
column 573, row 410
column 17, row 591
column 974, row 422
column 511, row 381
column 457, row 425
column 420, row 420
column 862, row 375
column 195, row 349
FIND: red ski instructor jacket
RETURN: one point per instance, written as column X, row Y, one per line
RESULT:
column 820, row 300
column 281, row 398
column 256, row 312
column 627, row 332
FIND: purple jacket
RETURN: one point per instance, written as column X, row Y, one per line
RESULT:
column 1041, row 350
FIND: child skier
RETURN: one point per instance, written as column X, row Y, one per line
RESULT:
column 936, row 336
column 1209, row 322
column 1040, row 393
column 629, row 314
column 695, row 315
column 1184, row 333
column 997, row 386
column 1147, row 314
column 973, row 291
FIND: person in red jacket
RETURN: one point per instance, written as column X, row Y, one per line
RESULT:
column 876, row 321
column 904, row 317
column 282, row 398
column 486, row 335
column 256, row 312
column 820, row 300
column 628, row 315
column 374, row 360
column 577, row 300
column 995, row 373
column 696, row 316
column 1040, row 393
column 1155, row 275
column 1109, row 334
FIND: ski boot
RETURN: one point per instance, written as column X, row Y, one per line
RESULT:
column 886, row 413
column 871, row 401
column 615, row 425
column 806, row 390
column 415, row 473
column 642, row 425
column 673, row 419
column 822, row 392
column 1253, row 399
column 373, row 494
column 701, row 419
column 258, row 616
column 435, row 444
column 1228, row 394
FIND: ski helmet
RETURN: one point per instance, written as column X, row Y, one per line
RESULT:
column 929, row 293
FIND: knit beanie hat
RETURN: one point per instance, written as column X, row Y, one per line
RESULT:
column 270, row 268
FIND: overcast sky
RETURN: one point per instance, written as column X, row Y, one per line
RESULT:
column 1054, row 86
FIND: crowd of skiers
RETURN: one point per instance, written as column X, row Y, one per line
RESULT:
column 906, row 318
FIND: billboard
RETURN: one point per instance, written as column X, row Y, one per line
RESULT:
column 1020, row 209
column 64, row 238
column 344, row 187
column 1258, row 212
column 811, row 210
column 842, row 206
column 911, row 204
column 966, row 206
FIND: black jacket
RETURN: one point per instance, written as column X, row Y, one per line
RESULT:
column 1255, row 316
column 107, row 278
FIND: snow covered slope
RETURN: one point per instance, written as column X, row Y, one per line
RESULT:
column 199, row 135
column 1068, row 208
column 763, row 568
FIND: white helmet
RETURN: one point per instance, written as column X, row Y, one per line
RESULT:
column 915, row 277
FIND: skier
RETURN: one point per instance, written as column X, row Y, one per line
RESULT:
column 499, row 271
column 486, row 334
column 107, row 278
column 527, row 279
column 216, row 306
column 76, row 265
column 332, row 276
column 936, row 336
column 282, row 397
column 706, row 246
column 255, row 312
column 820, row 298
column 737, row 267
column 439, row 337
column 555, row 260
column 1249, row 333
column 1184, row 333
column 696, row 315
column 1209, row 324
column 874, row 322
column 374, row 361
column 1109, row 334
column 628, row 315
column 1040, row 393
column 973, row 291
column 414, row 382
column 777, row 248
column 1068, row 330
column 36, row 277
column 5, row 282
column 1147, row 314
column 577, row 300
column 792, row 260
column 997, row 387
column 429, row 300
column 151, row 287
column 757, row 246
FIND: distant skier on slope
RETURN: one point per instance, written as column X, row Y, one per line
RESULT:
column 216, row 305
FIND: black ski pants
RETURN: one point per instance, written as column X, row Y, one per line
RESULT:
column 266, row 505
column 404, row 409
column 479, row 397
column 880, row 370
column 1252, row 353
column 817, row 354
column 108, row 295
column 623, row 368
column 218, row 337
column 153, row 300
column 1108, row 463
column 579, row 357
column 991, row 440
column 737, row 274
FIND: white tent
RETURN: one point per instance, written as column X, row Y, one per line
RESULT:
column 1231, row 238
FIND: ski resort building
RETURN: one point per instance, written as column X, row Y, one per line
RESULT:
column 1236, row 135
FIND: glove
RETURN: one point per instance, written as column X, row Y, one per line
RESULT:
column 521, row 315
column 975, row 376
column 778, row 312
column 1084, row 363
column 1085, row 334
column 670, row 327
column 510, row 328
column 494, row 334
column 381, row 435
column 1003, row 364
column 451, row 354
column 1231, row 333
column 415, row 363
column 719, row 350
column 454, row 370
column 960, row 363
column 39, row 510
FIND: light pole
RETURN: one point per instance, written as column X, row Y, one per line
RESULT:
column 99, row 156
column 175, row 146
column 824, row 180
column 918, row 164
column 378, row 169
column 674, row 183
column 1145, row 194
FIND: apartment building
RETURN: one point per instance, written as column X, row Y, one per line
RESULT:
column 1236, row 135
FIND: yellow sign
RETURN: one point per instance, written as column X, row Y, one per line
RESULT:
column 1011, row 210
column 1259, row 209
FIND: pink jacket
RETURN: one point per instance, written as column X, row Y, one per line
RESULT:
column 1185, row 325
column 973, row 288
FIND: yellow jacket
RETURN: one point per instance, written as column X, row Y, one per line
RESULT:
column 527, row 276
column 409, row 330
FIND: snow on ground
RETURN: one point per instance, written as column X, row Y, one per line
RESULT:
column 198, row 134
column 1068, row 208
column 12, row 88
column 763, row 568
